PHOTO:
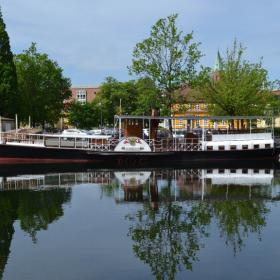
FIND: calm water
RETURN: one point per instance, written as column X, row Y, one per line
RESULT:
column 144, row 224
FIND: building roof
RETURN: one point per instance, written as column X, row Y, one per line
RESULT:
column 81, row 86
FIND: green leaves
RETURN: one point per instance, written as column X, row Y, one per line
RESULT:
column 8, row 77
column 237, row 87
column 85, row 116
column 132, row 97
column 42, row 86
column 168, row 58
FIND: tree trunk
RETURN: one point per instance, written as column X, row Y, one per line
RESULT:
column 170, row 127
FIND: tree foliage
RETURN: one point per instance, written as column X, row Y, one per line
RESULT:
column 168, row 58
column 170, row 237
column 42, row 86
column 84, row 116
column 238, row 87
column 131, row 97
column 34, row 211
column 8, row 77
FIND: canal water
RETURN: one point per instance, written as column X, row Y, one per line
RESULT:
column 140, row 224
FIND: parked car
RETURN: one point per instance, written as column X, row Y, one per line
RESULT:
column 73, row 132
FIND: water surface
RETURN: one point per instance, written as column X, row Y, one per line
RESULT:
column 141, row 224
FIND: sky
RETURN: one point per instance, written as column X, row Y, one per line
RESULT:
column 94, row 39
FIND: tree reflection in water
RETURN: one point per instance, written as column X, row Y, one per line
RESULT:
column 34, row 210
column 170, row 236
column 170, row 228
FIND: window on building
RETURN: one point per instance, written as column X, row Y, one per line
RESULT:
column 244, row 147
column 256, row 146
column 221, row 148
column 233, row 147
column 82, row 95
column 267, row 146
column 197, row 107
column 209, row 148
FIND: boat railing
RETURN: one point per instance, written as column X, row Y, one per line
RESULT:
column 174, row 144
column 98, row 144
column 25, row 138
column 108, row 144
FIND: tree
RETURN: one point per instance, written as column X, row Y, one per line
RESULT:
column 237, row 87
column 167, row 57
column 116, row 97
column 85, row 116
column 8, row 77
column 148, row 96
column 42, row 86
column 170, row 237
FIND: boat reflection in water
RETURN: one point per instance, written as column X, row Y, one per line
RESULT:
column 174, row 213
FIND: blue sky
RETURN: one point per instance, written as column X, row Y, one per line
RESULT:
column 93, row 39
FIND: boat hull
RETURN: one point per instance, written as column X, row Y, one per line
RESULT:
column 10, row 154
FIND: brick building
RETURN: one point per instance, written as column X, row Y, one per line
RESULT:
column 84, row 94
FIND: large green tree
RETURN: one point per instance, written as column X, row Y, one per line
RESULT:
column 116, row 97
column 42, row 86
column 132, row 97
column 237, row 87
column 8, row 77
column 169, row 58
column 85, row 116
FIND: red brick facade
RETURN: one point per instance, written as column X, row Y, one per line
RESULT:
column 84, row 94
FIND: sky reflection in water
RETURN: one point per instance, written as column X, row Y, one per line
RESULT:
column 161, row 224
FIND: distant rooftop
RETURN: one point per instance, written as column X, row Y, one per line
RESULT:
column 83, row 86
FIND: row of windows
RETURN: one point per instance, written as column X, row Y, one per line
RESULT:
column 233, row 171
column 81, row 95
column 233, row 147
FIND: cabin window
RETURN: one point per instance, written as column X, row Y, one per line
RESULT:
column 256, row 146
column 209, row 148
column 221, row 171
column 244, row 171
column 233, row 171
column 256, row 171
column 244, row 147
column 267, row 171
column 209, row 171
column 233, row 147
column 221, row 148
column 267, row 146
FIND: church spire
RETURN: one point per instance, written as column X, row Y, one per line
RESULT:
column 217, row 65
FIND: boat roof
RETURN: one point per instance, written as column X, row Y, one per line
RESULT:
column 218, row 118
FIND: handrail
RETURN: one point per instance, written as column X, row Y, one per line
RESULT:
column 95, row 144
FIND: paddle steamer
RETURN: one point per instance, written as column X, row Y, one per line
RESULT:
column 142, row 142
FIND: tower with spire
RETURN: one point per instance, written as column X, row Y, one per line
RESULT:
column 217, row 67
